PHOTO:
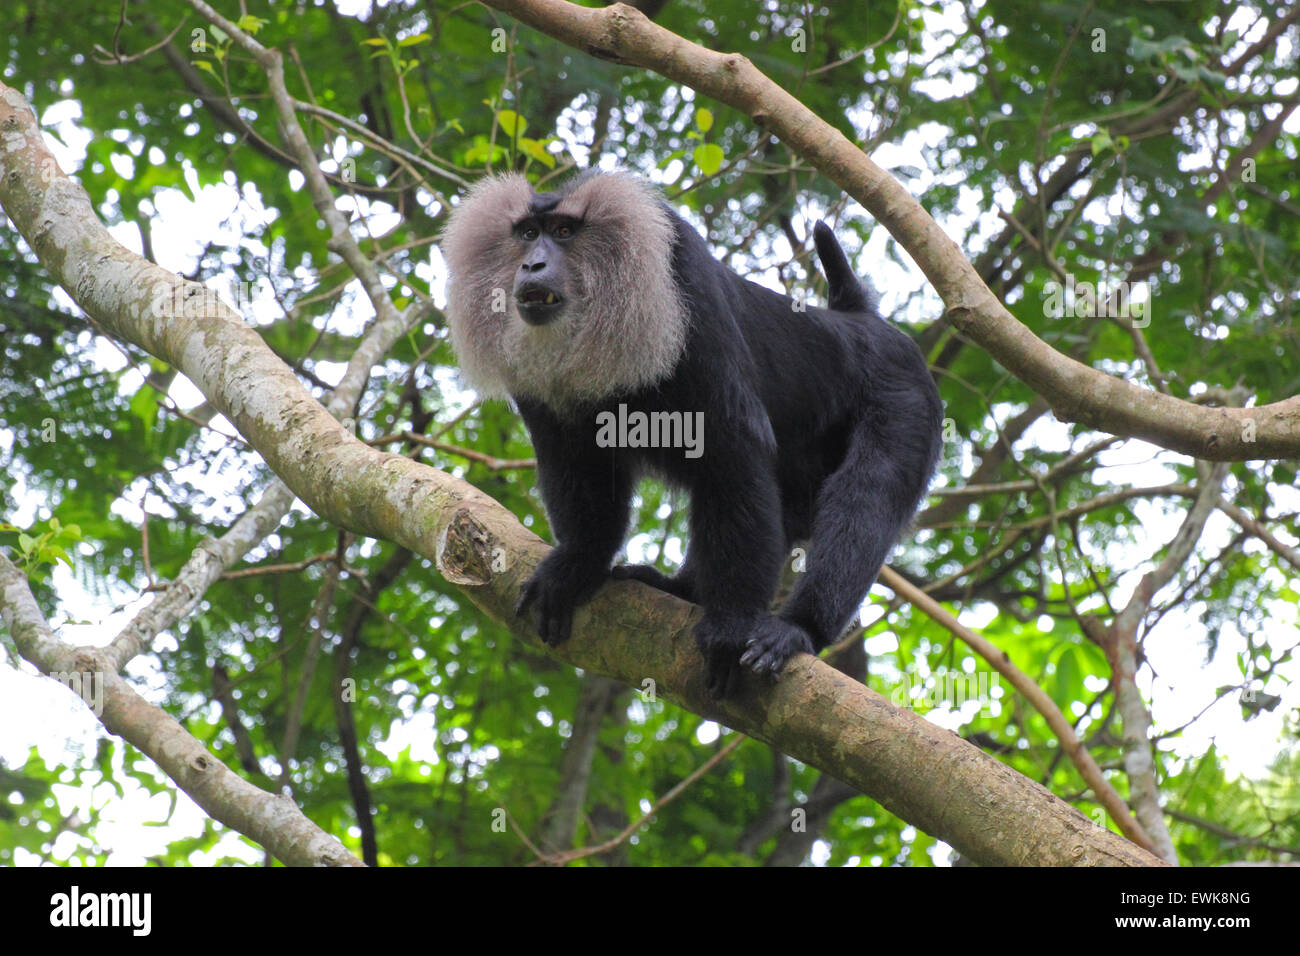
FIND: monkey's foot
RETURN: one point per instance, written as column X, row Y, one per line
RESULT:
column 676, row 586
column 772, row 643
column 721, row 638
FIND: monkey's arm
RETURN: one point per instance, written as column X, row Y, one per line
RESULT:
column 588, row 497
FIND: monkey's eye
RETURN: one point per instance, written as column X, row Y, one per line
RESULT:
column 563, row 231
column 529, row 233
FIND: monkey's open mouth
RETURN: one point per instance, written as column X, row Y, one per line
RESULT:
column 538, row 304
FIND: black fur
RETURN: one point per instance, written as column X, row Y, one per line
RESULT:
column 820, row 426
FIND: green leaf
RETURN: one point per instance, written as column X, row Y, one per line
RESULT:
column 1068, row 677
column 1101, row 142
column 484, row 153
column 537, row 151
column 513, row 124
column 709, row 157
column 1144, row 49
column 704, row 119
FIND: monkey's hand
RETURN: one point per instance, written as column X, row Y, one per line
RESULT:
column 772, row 643
column 720, row 638
column 563, row 581
column 678, row 585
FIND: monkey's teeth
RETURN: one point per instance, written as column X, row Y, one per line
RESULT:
column 550, row 298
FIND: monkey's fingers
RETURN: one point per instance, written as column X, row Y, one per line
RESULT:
column 552, row 622
column 719, row 640
column 764, row 662
column 527, row 595
column 724, row 676
column 772, row 645
column 557, row 623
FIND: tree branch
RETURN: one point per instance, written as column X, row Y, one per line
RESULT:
column 271, row 820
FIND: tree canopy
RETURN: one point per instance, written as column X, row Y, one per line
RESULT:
column 1077, row 599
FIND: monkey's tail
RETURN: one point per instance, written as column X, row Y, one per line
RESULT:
column 847, row 292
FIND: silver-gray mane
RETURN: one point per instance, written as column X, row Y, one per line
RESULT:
column 625, row 325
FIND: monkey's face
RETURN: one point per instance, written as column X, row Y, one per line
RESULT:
column 542, row 286
column 565, row 296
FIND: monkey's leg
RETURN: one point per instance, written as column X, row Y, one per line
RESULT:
column 861, row 509
column 681, row 584
column 737, row 546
